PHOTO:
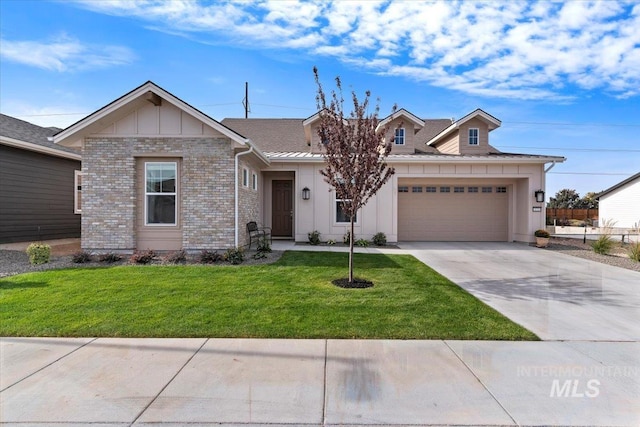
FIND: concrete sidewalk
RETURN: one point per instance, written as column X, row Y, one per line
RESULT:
column 317, row 382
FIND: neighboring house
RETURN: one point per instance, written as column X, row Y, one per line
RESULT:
column 621, row 203
column 37, row 184
column 160, row 174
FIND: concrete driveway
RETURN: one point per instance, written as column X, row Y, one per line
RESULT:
column 556, row 296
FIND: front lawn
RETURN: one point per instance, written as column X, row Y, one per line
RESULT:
column 292, row 298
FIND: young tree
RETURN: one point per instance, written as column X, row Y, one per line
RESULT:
column 355, row 151
column 564, row 199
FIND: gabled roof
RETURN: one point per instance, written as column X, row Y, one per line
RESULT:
column 619, row 185
column 25, row 135
column 401, row 113
column 478, row 113
column 136, row 94
column 276, row 135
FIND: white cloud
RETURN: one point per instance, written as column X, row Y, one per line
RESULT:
column 528, row 50
column 64, row 54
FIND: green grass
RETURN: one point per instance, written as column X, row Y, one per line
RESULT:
column 292, row 298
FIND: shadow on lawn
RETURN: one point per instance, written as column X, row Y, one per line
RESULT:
column 10, row 284
column 335, row 259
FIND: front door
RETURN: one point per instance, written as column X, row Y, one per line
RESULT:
column 282, row 208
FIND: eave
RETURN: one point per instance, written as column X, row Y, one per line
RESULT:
column 38, row 148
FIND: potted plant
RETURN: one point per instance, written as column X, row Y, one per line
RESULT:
column 542, row 238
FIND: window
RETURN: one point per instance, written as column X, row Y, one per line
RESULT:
column 487, row 189
column 472, row 189
column 399, row 139
column 245, row 177
column 254, row 181
column 473, row 136
column 77, row 192
column 430, row 189
column 458, row 189
column 445, row 189
column 160, row 193
column 403, row 189
column 416, row 189
column 341, row 216
column 501, row 189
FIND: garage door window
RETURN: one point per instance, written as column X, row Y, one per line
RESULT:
column 445, row 189
column 501, row 189
column 487, row 189
column 458, row 189
column 341, row 215
column 472, row 189
column 403, row 189
column 430, row 189
column 416, row 189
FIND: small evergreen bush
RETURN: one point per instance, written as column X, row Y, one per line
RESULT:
column 263, row 245
column 234, row 256
column 346, row 239
column 542, row 233
column 314, row 237
column 142, row 257
column 39, row 253
column 379, row 239
column 209, row 257
column 81, row 257
column 331, row 242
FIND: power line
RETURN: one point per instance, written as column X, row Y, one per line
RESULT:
column 575, row 124
column 615, row 150
column 591, row 173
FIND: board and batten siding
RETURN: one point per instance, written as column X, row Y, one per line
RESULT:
column 622, row 205
column 36, row 196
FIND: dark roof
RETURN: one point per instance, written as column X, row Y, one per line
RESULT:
column 275, row 135
column 618, row 185
column 20, row 130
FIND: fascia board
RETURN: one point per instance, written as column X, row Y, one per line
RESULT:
column 38, row 148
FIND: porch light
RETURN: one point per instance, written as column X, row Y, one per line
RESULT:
column 539, row 196
column 306, row 193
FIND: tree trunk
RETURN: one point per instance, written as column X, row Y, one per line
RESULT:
column 351, row 253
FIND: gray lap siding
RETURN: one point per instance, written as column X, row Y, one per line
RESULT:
column 110, row 201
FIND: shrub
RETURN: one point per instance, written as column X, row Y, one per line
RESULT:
column 81, row 257
column 259, row 255
column 109, row 257
column 634, row 251
column 346, row 239
column 542, row 233
column 603, row 245
column 263, row 245
column 142, row 257
column 363, row 243
column 331, row 242
column 39, row 253
column 234, row 256
column 314, row 237
column 379, row 239
column 209, row 257
column 175, row 257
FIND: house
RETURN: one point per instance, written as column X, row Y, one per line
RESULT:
column 621, row 203
column 160, row 174
column 38, row 182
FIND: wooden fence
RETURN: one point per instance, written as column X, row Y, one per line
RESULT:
column 579, row 214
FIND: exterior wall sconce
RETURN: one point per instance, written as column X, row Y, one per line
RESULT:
column 306, row 193
column 539, row 196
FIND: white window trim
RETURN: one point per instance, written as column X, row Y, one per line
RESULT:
column 335, row 213
column 146, row 203
column 76, row 174
column 477, row 136
column 254, row 181
column 404, row 136
column 245, row 177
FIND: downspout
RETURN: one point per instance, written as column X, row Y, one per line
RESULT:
column 237, row 164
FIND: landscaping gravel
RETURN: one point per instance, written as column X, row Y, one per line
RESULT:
column 575, row 247
column 17, row 262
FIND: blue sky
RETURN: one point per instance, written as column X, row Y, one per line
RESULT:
column 564, row 78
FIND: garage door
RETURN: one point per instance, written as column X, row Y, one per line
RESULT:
column 453, row 212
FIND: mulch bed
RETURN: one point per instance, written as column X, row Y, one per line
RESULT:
column 356, row 284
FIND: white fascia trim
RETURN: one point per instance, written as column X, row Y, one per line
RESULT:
column 130, row 97
column 456, row 125
column 401, row 112
column 311, row 119
column 38, row 148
